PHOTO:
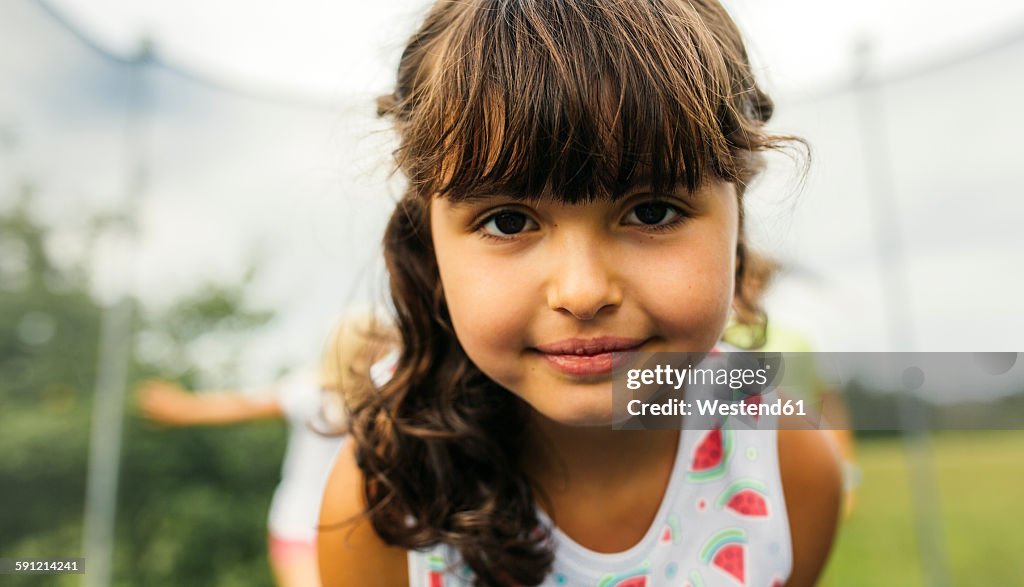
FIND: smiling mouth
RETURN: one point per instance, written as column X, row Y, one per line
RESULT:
column 595, row 356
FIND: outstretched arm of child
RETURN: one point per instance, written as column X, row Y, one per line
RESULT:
column 169, row 404
column 812, row 481
column 349, row 550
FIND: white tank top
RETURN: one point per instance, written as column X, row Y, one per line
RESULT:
column 722, row 522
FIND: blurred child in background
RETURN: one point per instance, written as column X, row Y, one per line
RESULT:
column 310, row 403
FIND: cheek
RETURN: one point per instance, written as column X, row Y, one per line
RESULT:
column 483, row 312
column 486, row 305
column 690, row 290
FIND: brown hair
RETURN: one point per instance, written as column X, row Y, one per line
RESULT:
column 581, row 99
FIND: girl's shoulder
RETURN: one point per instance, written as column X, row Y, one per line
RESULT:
column 811, row 474
column 350, row 552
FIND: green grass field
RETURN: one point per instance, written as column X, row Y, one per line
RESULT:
column 980, row 483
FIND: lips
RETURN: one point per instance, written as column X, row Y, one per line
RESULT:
column 591, row 356
column 590, row 346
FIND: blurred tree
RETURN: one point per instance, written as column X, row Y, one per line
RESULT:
column 49, row 318
column 192, row 502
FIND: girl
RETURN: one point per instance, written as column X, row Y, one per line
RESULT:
column 576, row 172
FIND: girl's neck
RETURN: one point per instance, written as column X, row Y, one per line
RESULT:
column 557, row 456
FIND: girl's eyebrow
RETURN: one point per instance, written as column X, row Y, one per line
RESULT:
column 467, row 200
column 640, row 184
column 474, row 198
column 644, row 182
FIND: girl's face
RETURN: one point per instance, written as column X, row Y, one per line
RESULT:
column 540, row 293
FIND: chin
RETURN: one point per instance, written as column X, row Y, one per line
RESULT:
column 577, row 412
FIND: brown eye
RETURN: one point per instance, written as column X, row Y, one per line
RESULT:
column 506, row 223
column 654, row 214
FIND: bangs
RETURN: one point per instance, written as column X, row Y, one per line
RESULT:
column 570, row 100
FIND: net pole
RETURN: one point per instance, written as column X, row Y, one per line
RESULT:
column 115, row 354
column 879, row 177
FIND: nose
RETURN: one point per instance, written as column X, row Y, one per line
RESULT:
column 584, row 281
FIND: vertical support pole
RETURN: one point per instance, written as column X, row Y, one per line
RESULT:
column 115, row 356
column 925, row 503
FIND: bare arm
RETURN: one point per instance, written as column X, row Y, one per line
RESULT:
column 812, row 483
column 349, row 550
column 169, row 404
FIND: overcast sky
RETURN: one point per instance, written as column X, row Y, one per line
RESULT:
column 330, row 46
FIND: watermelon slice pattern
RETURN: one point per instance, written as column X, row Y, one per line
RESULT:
column 435, row 573
column 727, row 552
column 711, row 455
column 747, row 498
column 637, row 578
column 438, row 569
column 673, row 528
